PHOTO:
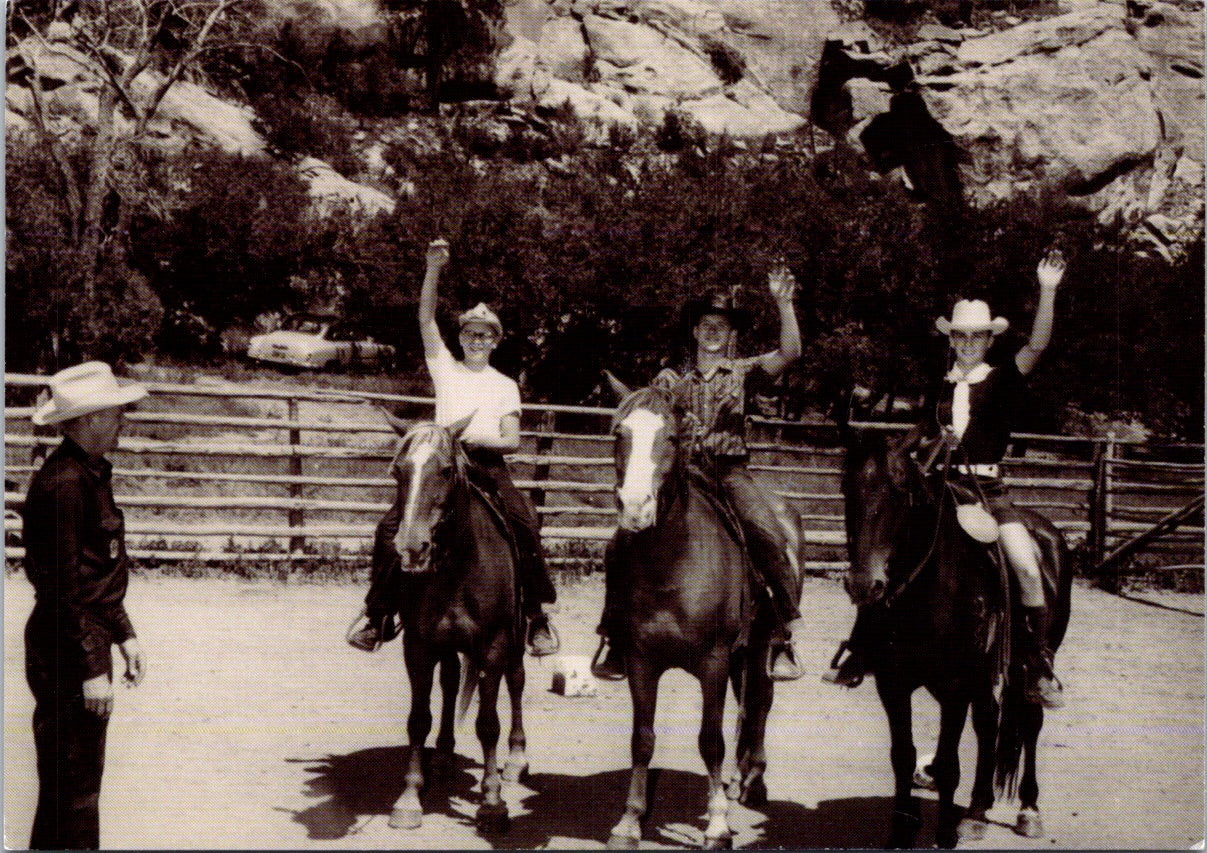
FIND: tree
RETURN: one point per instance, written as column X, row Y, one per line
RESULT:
column 135, row 51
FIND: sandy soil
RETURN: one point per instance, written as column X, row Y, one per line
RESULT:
column 257, row 727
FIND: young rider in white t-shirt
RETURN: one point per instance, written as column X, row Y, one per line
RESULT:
column 465, row 388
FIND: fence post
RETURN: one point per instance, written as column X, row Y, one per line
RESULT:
column 1108, row 505
column 1096, row 535
column 297, row 543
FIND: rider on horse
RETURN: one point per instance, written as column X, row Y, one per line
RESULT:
column 977, row 408
column 475, row 390
column 711, row 393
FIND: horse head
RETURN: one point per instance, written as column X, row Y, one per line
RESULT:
column 428, row 467
column 881, row 486
column 647, row 439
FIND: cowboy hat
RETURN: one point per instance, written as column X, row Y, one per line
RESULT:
column 716, row 302
column 481, row 313
column 972, row 315
column 83, row 389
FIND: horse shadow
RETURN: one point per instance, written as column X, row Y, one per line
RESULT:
column 564, row 808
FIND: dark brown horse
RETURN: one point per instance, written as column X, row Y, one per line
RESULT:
column 940, row 610
column 458, row 598
column 685, row 603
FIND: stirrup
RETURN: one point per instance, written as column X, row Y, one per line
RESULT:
column 604, row 663
column 555, row 640
column 778, row 651
column 355, row 637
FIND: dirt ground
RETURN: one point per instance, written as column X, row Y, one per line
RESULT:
column 258, row 727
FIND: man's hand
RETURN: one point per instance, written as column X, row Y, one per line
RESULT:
column 136, row 667
column 98, row 695
column 437, row 254
column 1051, row 269
column 780, row 281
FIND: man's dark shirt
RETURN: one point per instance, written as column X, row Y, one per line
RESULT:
column 75, row 556
column 995, row 405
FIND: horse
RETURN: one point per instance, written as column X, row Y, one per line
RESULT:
column 459, row 599
column 685, row 603
column 943, row 621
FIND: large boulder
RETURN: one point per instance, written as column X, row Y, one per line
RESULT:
column 739, row 67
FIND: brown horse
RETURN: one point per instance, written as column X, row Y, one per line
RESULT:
column 685, row 603
column 941, row 617
column 458, row 598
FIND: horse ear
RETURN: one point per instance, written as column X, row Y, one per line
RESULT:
column 458, row 427
column 400, row 426
column 618, row 388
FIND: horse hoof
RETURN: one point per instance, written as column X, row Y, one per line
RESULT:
column 1029, row 824
column 947, row 839
column 623, row 842
column 515, row 772
column 493, row 820
column 406, row 819
column 718, row 842
column 972, row 829
column 754, row 794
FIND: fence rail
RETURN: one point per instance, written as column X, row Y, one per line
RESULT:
column 227, row 472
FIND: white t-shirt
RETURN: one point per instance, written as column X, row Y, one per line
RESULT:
column 486, row 394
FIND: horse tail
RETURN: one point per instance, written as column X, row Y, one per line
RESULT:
column 469, row 685
column 1010, row 737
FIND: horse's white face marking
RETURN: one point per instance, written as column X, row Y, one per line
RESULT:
column 422, row 451
column 636, row 490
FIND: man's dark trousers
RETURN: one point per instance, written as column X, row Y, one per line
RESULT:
column 70, row 744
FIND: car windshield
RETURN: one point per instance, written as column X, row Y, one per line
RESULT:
column 309, row 325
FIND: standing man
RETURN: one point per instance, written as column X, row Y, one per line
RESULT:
column 472, row 389
column 712, row 393
column 75, row 556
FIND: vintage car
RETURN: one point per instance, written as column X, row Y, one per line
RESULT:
column 319, row 340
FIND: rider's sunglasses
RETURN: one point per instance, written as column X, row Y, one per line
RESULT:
column 478, row 336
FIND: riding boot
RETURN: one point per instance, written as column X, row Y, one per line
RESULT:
column 850, row 671
column 608, row 661
column 1043, row 687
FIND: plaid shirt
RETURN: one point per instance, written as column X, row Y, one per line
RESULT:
column 718, row 402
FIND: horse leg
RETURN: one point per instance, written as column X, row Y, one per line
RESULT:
column 907, row 813
column 946, row 768
column 1029, row 822
column 712, row 674
column 755, row 697
column 492, row 813
column 407, row 812
column 446, row 743
column 516, row 769
column 984, row 723
column 643, row 689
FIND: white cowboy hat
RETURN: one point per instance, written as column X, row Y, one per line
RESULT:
column 83, row 389
column 972, row 315
column 480, row 313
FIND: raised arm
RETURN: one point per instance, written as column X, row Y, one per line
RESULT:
column 437, row 259
column 782, row 285
column 1051, row 271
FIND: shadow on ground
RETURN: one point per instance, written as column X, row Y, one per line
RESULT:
column 563, row 807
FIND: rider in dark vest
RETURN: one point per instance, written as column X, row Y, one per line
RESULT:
column 975, row 413
column 711, row 393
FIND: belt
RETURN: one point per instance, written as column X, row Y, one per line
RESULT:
column 979, row 469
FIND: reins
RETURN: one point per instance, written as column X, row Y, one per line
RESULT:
column 934, row 542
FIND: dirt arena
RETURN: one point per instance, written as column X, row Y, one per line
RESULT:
column 258, row 727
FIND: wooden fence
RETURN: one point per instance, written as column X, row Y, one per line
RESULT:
column 221, row 472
